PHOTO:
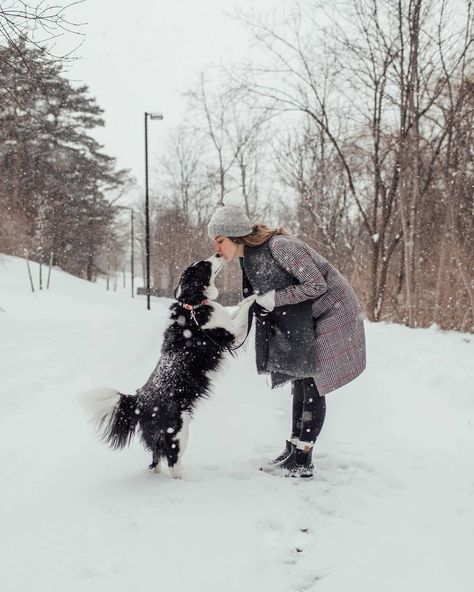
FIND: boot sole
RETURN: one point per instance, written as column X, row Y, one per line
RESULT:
column 282, row 473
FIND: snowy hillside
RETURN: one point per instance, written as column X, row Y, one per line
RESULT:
column 391, row 509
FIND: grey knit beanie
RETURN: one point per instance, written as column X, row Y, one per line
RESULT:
column 229, row 221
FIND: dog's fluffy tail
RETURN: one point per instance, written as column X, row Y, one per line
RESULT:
column 114, row 415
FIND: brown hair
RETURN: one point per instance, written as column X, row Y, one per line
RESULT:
column 260, row 234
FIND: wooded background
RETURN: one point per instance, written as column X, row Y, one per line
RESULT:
column 351, row 123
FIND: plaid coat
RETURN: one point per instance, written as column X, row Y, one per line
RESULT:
column 339, row 326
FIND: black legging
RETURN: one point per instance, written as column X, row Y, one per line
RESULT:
column 309, row 410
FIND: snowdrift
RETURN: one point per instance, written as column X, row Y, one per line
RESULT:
column 391, row 508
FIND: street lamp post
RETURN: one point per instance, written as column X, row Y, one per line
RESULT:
column 158, row 116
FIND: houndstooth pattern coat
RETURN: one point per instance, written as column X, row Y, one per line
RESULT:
column 339, row 326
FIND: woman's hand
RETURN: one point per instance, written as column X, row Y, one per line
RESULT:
column 267, row 300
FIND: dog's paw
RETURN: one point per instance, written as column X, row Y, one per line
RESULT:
column 155, row 467
column 176, row 471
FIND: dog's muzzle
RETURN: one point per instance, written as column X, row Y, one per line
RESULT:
column 217, row 263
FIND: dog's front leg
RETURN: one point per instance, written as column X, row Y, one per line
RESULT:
column 243, row 306
column 240, row 318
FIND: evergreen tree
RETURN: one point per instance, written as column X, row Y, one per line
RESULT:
column 53, row 174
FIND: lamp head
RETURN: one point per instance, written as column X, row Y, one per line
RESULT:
column 155, row 116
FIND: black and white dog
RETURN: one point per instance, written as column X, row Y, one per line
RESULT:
column 199, row 333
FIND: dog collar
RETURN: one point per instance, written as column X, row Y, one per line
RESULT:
column 193, row 306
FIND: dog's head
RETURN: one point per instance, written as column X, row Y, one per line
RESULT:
column 197, row 281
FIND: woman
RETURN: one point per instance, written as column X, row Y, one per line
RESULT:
column 309, row 325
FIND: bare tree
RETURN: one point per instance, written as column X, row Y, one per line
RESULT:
column 233, row 136
column 186, row 186
column 301, row 78
column 38, row 23
column 381, row 68
column 34, row 25
column 307, row 163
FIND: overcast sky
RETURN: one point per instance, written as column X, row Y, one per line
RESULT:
column 140, row 56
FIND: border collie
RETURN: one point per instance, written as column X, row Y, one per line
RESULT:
column 199, row 333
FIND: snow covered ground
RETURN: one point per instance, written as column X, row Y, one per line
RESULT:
column 391, row 509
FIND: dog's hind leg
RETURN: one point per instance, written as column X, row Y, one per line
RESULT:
column 180, row 441
column 156, row 462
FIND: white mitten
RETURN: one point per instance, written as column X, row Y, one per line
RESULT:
column 267, row 300
column 243, row 305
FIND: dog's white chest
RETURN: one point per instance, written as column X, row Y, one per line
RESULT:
column 220, row 318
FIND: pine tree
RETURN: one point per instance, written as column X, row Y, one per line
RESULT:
column 54, row 175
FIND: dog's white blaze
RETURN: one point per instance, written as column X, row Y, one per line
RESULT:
column 182, row 439
column 211, row 291
column 99, row 403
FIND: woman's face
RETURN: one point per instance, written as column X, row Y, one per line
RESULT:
column 226, row 248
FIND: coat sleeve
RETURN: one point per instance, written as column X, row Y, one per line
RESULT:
column 295, row 258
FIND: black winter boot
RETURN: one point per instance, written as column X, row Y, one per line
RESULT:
column 284, row 454
column 297, row 464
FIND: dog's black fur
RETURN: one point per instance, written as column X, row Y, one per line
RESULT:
column 164, row 405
